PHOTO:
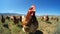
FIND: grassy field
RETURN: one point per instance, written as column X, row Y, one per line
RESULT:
column 51, row 27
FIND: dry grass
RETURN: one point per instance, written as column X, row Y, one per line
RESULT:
column 45, row 27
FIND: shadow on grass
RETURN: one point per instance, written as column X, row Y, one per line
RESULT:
column 5, row 25
column 19, row 26
column 48, row 22
column 37, row 32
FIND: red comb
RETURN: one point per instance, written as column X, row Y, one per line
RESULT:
column 33, row 8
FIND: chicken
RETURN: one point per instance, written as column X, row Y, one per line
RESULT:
column 29, row 22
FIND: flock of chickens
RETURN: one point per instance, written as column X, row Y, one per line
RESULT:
column 29, row 22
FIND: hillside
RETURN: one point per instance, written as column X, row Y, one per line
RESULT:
column 10, row 14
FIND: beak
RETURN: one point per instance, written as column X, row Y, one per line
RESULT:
column 32, row 9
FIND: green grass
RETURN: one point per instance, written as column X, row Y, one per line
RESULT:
column 44, row 26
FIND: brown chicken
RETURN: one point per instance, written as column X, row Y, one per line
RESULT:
column 30, row 23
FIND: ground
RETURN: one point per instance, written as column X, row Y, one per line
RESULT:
column 51, row 27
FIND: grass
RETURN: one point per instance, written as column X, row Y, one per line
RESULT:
column 52, row 27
